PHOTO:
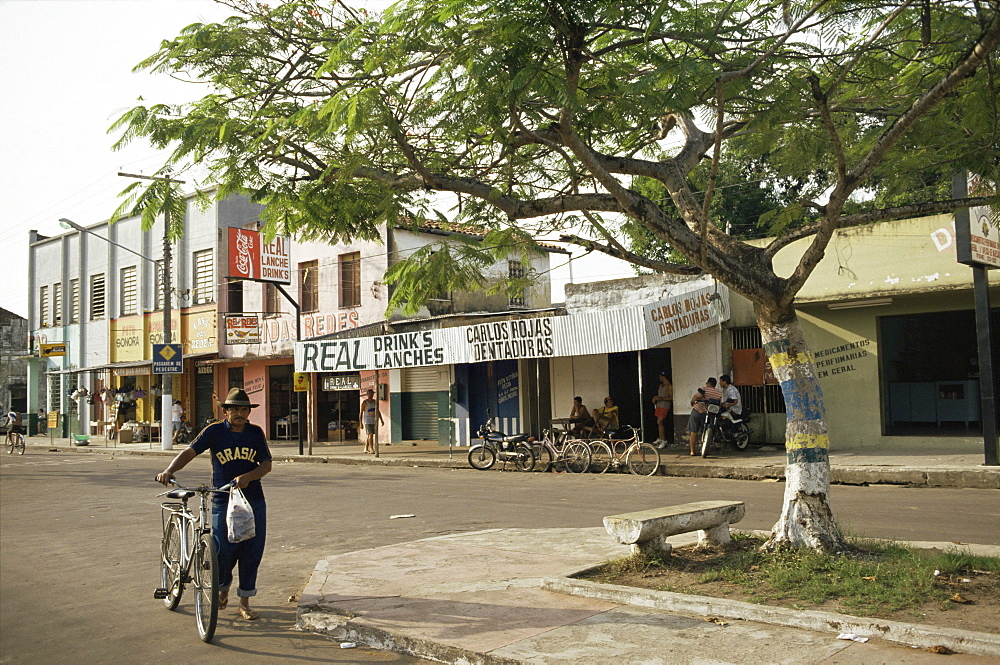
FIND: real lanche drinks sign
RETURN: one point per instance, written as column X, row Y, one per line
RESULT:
column 251, row 258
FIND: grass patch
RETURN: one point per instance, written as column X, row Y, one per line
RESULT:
column 873, row 578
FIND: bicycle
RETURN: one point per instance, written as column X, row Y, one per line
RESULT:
column 188, row 556
column 14, row 441
column 555, row 447
column 641, row 459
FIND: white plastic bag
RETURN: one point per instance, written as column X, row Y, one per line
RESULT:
column 239, row 518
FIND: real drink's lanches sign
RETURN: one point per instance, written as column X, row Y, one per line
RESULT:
column 251, row 258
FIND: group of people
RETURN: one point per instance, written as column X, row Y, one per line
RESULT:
column 604, row 421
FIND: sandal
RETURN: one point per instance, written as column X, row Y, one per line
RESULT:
column 248, row 614
column 223, row 600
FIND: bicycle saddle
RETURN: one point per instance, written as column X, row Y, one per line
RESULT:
column 180, row 494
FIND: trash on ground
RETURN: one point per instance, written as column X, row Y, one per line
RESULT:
column 717, row 621
column 347, row 645
column 293, row 598
column 399, row 517
column 941, row 649
column 853, row 637
column 959, row 598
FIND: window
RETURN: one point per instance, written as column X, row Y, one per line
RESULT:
column 272, row 299
column 309, row 286
column 129, row 291
column 158, row 282
column 350, row 279
column 234, row 296
column 74, row 301
column 515, row 273
column 57, row 304
column 204, row 277
column 97, row 296
column 43, row 307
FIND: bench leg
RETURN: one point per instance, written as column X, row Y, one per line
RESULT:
column 652, row 548
column 717, row 535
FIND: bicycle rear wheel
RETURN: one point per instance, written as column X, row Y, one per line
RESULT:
column 170, row 564
column 206, row 584
column 600, row 456
column 643, row 459
column 19, row 444
column 576, row 456
column 9, row 443
column 543, row 457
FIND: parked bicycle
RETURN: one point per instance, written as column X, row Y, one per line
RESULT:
column 641, row 459
column 497, row 445
column 556, row 448
column 14, row 441
column 188, row 555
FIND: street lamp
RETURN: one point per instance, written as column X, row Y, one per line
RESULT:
column 166, row 404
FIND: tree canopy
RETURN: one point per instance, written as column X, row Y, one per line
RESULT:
column 586, row 121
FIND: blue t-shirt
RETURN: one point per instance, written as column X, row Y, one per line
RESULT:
column 233, row 454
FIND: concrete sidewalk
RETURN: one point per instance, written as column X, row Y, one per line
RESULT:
column 504, row 596
column 897, row 466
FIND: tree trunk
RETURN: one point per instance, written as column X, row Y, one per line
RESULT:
column 806, row 519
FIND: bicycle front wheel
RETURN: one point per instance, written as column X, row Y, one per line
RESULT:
column 482, row 458
column 643, row 459
column 206, row 584
column 600, row 456
column 19, row 444
column 524, row 458
column 576, row 456
column 170, row 564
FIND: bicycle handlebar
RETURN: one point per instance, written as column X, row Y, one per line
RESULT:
column 205, row 489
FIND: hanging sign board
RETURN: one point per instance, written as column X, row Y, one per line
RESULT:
column 342, row 382
column 51, row 350
column 300, row 382
column 242, row 328
column 977, row 237
column 251, row 258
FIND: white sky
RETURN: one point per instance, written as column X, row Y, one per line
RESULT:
column 66, row 74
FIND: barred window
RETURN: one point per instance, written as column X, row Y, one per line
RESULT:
column 74, row 301
column 129, row 291
column 515, row 273
column 57, row 304
column 97, row 296
column 158, row 282
column 350, row 279
column 309, row 286
column 204, row 277
column 43, row 307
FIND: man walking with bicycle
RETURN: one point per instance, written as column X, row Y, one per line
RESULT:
column 239, row 456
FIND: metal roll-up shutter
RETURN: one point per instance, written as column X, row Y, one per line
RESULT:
column 420, row 387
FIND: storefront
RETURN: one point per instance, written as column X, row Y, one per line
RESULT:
column 336, row 406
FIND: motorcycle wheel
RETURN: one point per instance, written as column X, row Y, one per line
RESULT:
column 741, row 438
column 482, row 458
column 706, row 439
column 524, row 458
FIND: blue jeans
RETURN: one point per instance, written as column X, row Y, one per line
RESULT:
column 247, row 554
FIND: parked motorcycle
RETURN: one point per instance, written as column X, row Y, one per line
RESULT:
column 184, row 433
column 723, row 428
column 496, row 445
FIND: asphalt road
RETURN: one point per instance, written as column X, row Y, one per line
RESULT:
column 79, row 536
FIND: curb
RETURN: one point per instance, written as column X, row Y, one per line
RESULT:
column 340, row 627
column 909, row 634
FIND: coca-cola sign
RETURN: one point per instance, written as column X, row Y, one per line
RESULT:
column 251, row 258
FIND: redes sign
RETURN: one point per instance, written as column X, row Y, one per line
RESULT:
column 251, row 258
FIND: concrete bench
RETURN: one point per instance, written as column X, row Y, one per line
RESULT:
column 646, row 531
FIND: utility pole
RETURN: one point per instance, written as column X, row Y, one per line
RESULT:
column 167, row 402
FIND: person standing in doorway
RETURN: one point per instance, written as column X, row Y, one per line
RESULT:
column 177, row 415
column 42, row 423
column 663, row 407
column 369, row 414
column 239, row 456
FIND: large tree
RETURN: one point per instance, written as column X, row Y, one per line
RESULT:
column 538, row 118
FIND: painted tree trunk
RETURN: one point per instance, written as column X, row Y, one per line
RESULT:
column 806, row 519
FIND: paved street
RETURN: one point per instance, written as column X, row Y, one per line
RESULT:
column 79, row 537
